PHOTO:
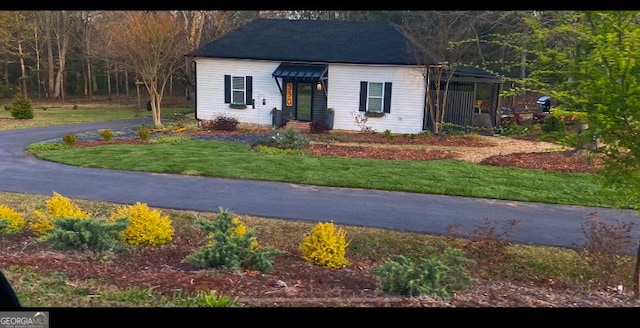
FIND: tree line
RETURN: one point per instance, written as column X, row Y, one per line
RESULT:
column 57, row 54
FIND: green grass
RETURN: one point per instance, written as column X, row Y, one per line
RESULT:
column 224, row 159
column 446, row 177
column 46, row 115
column 57, row 290
column 57, row 116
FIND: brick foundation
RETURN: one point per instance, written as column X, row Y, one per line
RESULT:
column 302, row 126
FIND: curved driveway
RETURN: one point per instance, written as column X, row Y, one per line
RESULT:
column 543, row 224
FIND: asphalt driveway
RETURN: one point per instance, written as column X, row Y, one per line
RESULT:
column 542, row 224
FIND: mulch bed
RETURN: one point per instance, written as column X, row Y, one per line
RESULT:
column 560, row 161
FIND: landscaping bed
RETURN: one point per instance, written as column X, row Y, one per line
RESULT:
column 296, row 283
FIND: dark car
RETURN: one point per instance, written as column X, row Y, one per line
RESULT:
column 545, row 103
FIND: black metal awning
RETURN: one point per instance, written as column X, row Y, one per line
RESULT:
column 300, row 71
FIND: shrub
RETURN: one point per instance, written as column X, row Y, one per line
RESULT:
column 106, row 134
column 69, row 139
column 58, row 206
column 221, row 122
column 487, row 242
column 552, row 123
column 95, row 234
column 21, row 108
column 318, row 127
column 325, row 246
column 290, row 139
column 388, row 134
column 431, row 276
column 605, row 248
column 206, row 299
column 144, row 134
column 230, row 245
column 239, row 231
column 11, row 221
column 147, row 227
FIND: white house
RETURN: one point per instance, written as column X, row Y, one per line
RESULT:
column 304, row 67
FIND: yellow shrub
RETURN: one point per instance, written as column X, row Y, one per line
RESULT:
column 106, row 134
column 61, row 207
column 325, row 246
column 14, row 219
column 40, row 223
column 239, row 231
column 58, row 206
column 147, row 227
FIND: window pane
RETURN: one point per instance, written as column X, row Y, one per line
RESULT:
column 238, row 97
column 238, row 90
column 238, row 82
column 375, row 105
column 375, row 89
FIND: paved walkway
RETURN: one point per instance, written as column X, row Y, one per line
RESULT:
column 543, row 224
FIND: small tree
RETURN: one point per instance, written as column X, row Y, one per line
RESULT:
column 589, row 62
column 153, row 45
column 21, row 108
column 231, row 245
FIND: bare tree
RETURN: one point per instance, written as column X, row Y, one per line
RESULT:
column 61, row 33
column 205, row 26
column 152, row 44
column 432, row 34
column 84, row 40
column 15, row 28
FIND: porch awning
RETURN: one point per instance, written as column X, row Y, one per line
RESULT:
column 300, row 71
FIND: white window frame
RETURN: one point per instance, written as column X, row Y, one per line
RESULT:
column 381, row 97
column 234, row 90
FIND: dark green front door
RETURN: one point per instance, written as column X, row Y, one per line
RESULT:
column 303, row 101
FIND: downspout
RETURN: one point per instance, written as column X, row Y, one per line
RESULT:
column 424, row 103
column 195, row 91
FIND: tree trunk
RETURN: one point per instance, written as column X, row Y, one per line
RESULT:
column 116, row 77
column 5, row 75
column 108, row 74
column 35, row 35
column 126, row 82
column 89, row 79
column 23, row 70
column 62, row 40
column 51, row 64
column 636, row 277
column 85, row 83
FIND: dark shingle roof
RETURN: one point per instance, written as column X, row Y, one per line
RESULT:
column 313, row 41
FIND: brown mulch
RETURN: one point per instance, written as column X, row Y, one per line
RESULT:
column 567, row 161
column 295, row 283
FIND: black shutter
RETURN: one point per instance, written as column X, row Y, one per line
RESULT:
column 387, row 97
column 249, row 93
column 227, row 89
column 363, row 96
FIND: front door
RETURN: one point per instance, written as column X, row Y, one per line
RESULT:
column 303, row 101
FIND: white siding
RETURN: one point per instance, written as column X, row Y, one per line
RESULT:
column 407, row 96
column 210, row 74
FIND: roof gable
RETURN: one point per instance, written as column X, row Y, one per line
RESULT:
column 313, row 41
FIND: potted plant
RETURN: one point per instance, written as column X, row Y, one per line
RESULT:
column 328, row 118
